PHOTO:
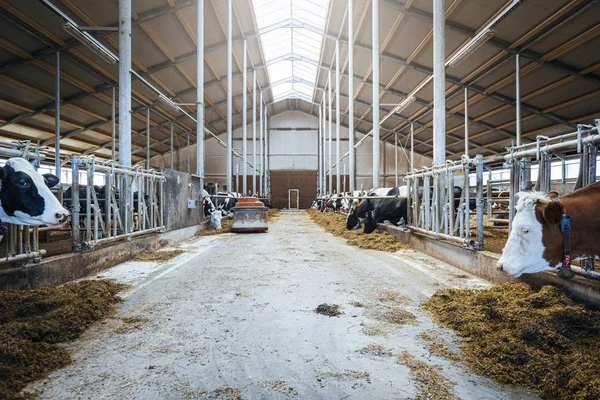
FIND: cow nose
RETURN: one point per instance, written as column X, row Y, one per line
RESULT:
column 61, row 217
column 500, row 267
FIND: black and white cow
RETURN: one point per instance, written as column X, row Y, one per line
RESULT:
column 25, row 196
column 359, row 213
column 209, row 209
column 225, row 204
column 393, row 210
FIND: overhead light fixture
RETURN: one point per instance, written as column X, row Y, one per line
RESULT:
column 170, row 104
column 405, row 103
column 470, row 47
column 90, row 42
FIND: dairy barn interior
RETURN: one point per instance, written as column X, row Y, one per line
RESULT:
column 361, row 199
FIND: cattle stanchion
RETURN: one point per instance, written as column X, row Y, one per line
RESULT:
column 119, row 215
column 582, row 144
column 436, row 210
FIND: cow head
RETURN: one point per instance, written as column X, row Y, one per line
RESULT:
column 352, row 221
column 215, row 219
column 25, row 197
column 370, row 222
column 535, row 241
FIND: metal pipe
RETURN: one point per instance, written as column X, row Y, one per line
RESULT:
column 148, row 138
column 254, row 166
column 260, row 145
column 113, row 123
column 412, row 147
column 125, row 82
column 264, row 152
column 323, row 141
column 375, row 108
column 351, row 95
column 229, row 92
column 57, row 117
column 22, row 257
column 245, row 120
column 517, row 96
column 466, row 122
column 330, row 134
column 396, row 158
column 76, row 239
column 171, row 157
column 479, row 199
column 319, row 155
column 439, row 87
column 337, row 113
column 200, row 91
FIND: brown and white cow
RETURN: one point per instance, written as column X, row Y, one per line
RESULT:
column 536, row 242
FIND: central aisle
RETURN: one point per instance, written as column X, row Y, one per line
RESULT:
column 236, row 313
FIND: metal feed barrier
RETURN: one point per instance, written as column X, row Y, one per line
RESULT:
column 584, row 142
column 119, row 215
column 431, row 205
column 22, row 241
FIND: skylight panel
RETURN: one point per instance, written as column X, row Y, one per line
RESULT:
column 291, row 78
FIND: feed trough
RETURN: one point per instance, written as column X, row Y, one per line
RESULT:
column 249, row 215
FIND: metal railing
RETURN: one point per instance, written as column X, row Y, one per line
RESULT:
column 432, row 208
column 118, row 214
column 22, row 241
column 584, row 142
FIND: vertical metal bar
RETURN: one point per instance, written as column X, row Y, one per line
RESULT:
column 412, row 147
column 107, row 207
column 189, row 170
column 76, row 245
column 450, row 203
column 344, row 190
column 479, row 173
column 260, row 146
column 229, row 92
column 319, row 155
column 57, row 116
column 245, row 120
column 375, row 108
column 548, row 172
column 592, row 166
column 323, row 142
column 113, row 124
column 254, row 132
column 467, row 187
column 466, row 122
column 525, row 179
column 439, row 84
column 125, row 82
column 200, row 92
column 88, row 202
column 171, row 154
column 330, row 164
column 396, row 159
column 148, row 138
column 264, row 152
column 564, row 167
column 352, row 151
column 337, row 115
column 518, row 96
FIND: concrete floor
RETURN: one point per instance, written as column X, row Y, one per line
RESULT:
column 237, row 311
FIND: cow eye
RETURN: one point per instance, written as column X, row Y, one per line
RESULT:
column 22, row 184
column 525, row 231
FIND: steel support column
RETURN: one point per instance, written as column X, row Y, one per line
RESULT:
column 200, row 91
column 125, row 82
column 245, row 121
column 330, row 166
column 229, row 94
column 254, row 132
column 412, row 147
column 148, row 138
column 265, row 152
column 439, row 88
column 351, row 95
column 319, row 155
column 396, row 158
column 260, row 145
column 375, row 107
column 171, row 157
column 337, row 116
column 323, row 138
column 518, row 97
column 57, row 118
column 113, row 124
column 466, row 122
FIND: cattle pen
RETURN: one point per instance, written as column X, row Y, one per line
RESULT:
column 312, row 199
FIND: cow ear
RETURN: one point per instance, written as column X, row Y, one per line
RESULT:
column 51, row 180
column 550, row 211
column 553, row 195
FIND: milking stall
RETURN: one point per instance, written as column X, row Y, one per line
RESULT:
column 299, row 199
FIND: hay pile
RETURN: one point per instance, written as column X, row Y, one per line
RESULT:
column 494, row 237
column 273, row 213
column 335, row 224
column 431, row 384
column 32, row 322
column 160, row 256
column 515, row 335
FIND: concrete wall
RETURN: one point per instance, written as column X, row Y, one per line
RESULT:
column 295, row 150
column 179, row 188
